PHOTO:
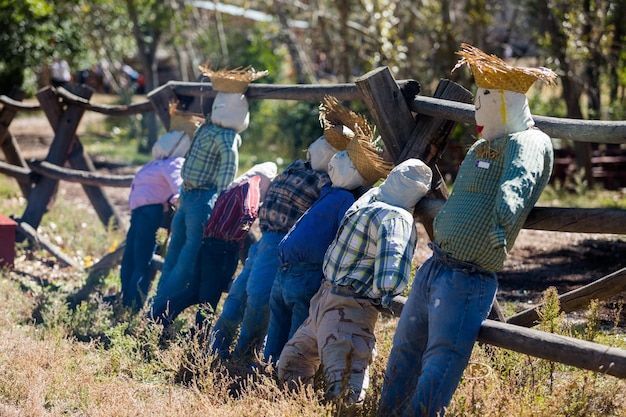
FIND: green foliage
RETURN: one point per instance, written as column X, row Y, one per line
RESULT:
column 32, row 32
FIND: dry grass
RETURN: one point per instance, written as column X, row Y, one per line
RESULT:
column 94, row 359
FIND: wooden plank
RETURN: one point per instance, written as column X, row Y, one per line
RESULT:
column 603, row 288
column 579, row 220
column 9, row 145
column 32, row 235
column 19, row 173
column 566, row 350
column 388, row 108
column 578, row 130
column 160, row 99
column 107, row 213
column 80, row 176
column 64, row 124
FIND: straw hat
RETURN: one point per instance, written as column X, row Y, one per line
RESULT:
column 340, row 124
column 184, row 121
column 367, row 158
column 234, row 80
column 491, row 72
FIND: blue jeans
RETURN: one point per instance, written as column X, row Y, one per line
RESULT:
column 293, row 288
column 435, row 335
column 187, row 229
column 136, row 271
column 216, row 263
column 247, row 303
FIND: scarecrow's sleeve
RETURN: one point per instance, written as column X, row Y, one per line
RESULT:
column 228, row 147
column 396, row 243
column 523, row 169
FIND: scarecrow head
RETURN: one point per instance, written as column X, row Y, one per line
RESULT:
column 500, row 100
column 406, row 184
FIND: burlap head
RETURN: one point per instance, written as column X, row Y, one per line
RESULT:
column 491, row 72
column 234, row 80
column 340, row 124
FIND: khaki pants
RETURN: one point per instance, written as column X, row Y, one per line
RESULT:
column 339, row 334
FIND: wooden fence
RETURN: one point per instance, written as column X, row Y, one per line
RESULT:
column 410, row 127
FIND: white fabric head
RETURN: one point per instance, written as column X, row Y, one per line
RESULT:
column 266, row 170
column 319, row 154
column 343, row 173
column 501, row 112
column 172, row 144
column 230, row 110
column 406, row 184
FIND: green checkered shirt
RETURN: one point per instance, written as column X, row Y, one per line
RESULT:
column 212, row 159
column 492, row 198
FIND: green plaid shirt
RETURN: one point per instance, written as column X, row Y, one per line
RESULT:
column 492, row 198
column 373, row 250
column 212, row 159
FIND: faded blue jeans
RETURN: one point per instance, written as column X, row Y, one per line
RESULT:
column 293, row 288
column 136, row 271
column 247, row 303
column 187, row 229
column 435, row 335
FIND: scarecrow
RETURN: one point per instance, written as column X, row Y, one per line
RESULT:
column 302, row 249
column 210, row 166
column 498, row 183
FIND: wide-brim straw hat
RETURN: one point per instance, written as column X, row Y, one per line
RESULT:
column 491, row 72
column 340, row 124
column 368, row 159
column 234, row 80
column 185, row 121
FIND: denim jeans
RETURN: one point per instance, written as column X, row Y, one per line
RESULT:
column 247, row 303
column 216, row 263
column 187, row 230
column 293, row 288
column 136, row 272
column 435, row 335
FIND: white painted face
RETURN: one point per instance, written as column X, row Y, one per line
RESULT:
column 319, row 154
column 500, row 112
column 343, row 173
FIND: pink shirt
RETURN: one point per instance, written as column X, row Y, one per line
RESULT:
column 156, row 182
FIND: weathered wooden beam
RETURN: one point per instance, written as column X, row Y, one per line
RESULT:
column 64, row 123
column 106, row 211
column 566, row 350
column 37, row 240
column 599, row 131
column 8, row 143
column 388, row 108
column 19, row 173
column 580, row 220
column 80, row 176
column 603, row 288
column 110, row 110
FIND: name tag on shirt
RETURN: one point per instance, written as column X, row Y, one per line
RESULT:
column 483, row 164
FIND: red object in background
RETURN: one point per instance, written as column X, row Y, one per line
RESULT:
column 7, row 240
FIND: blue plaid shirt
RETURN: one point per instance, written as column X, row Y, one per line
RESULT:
column 373, row 250
column 212, row 159
column 290, row 194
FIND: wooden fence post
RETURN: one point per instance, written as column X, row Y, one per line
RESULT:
column 8, row 142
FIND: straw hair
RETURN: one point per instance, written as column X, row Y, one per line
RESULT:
column 234, row 80
column 368, row 159
column 491, row 72
column 184, row 121
column 334, row 118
